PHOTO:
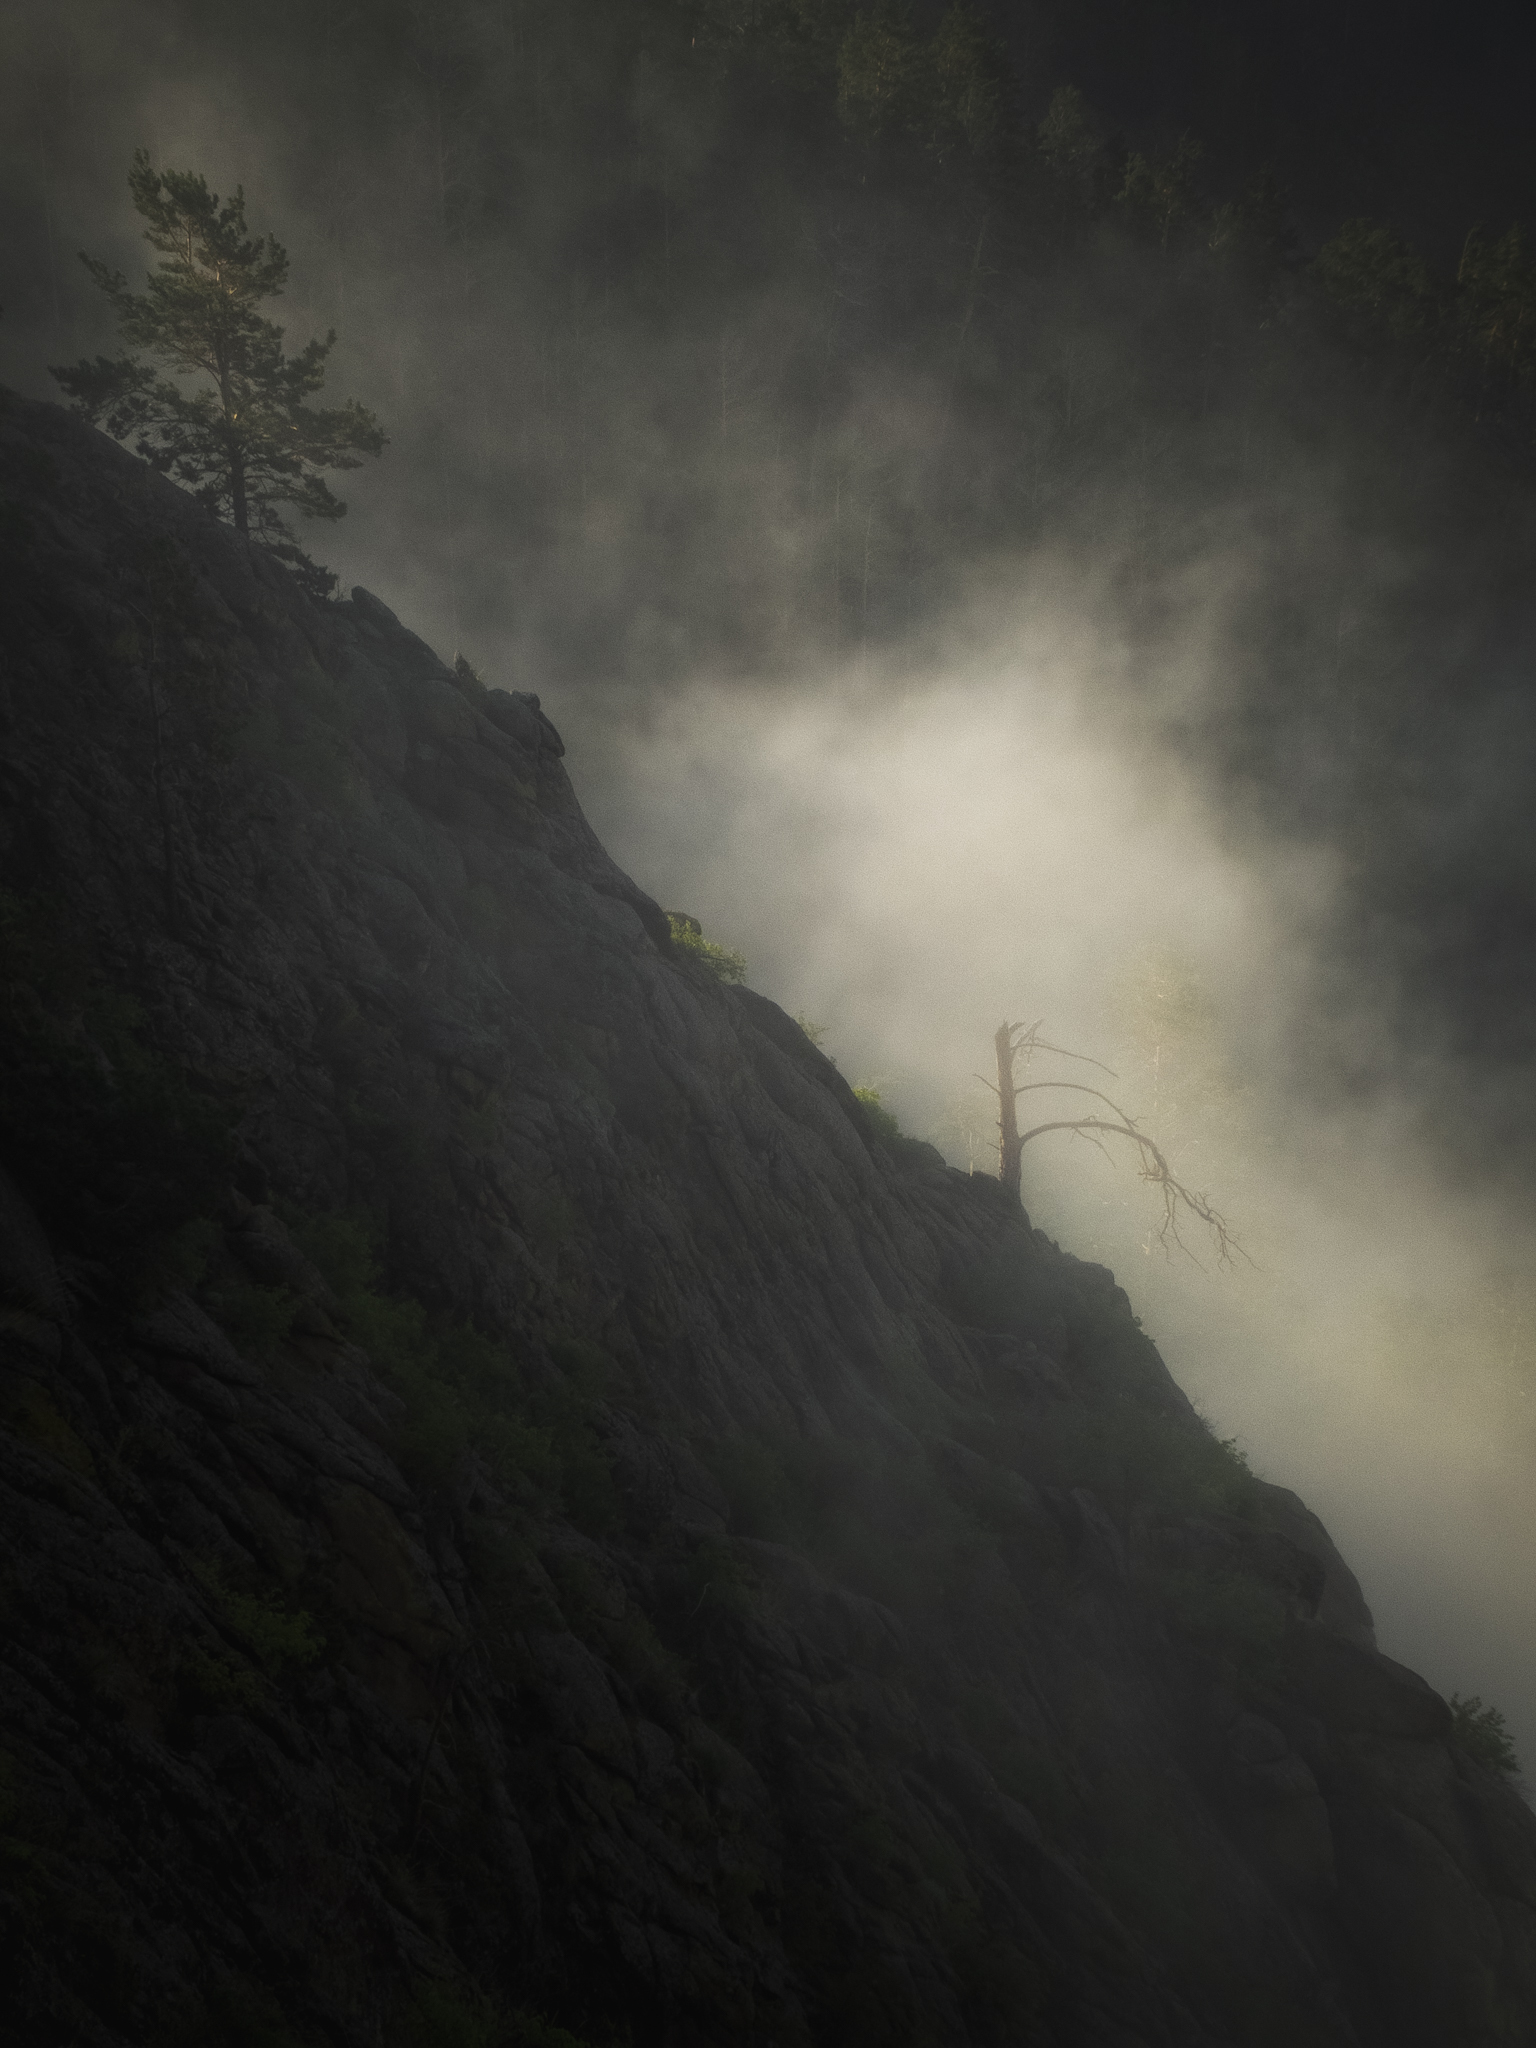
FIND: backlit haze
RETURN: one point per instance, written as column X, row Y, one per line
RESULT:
column 908, row 867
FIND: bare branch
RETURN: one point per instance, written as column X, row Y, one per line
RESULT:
column 1029, row 1043
column 1012, row 1039
column 1079, row 1087
column 986, row 1084
column 1028, row 1030
column 1039, row 1045
column 1097, row 1143
column 1155, row 1168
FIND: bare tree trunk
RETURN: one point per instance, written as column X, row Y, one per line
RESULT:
column 1012, row 1039
column 1009, row 1148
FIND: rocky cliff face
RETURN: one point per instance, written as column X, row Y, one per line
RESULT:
column 522, row 1512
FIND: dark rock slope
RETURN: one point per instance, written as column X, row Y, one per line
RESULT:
column 522, row 1512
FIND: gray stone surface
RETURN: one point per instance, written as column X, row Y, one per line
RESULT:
column 893, row 1657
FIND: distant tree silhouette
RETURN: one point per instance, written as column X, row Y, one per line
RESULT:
column 945, row 93
column 244, row 441
column 1496, row 304
column 1373, row 274
column 1161, row 190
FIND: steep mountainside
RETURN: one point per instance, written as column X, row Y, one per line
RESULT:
column 523, row 1511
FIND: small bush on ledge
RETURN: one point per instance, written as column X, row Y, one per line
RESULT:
column 724, row 963
column 1482, row 1732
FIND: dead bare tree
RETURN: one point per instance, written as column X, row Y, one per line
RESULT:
column 1012, row 1041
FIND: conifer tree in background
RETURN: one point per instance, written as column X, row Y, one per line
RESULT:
column 1161, row 190
column 948, row 91
column 1373, row 275
column 1496, row 304
column 245, row 442
column 1069, row 141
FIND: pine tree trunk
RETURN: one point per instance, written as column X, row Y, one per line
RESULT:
column 1009, row 1150
column 163, row 804
column 238, row 507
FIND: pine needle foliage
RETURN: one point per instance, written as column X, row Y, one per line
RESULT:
column 244, row 440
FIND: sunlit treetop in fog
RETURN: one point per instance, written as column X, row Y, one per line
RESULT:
column 245, row 441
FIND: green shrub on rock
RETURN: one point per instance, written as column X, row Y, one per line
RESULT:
column 1483, row 1733
column 878, row 1117
column 722, row 961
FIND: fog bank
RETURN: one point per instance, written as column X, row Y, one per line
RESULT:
column 907, row 862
